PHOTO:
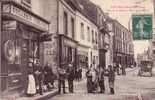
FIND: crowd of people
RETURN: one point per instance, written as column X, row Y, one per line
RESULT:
column 39, row 76
column 39, row 79
column 96, row 78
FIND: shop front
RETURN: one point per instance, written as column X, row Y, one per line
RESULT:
column 21, row 45
column 67, row 51
column 83, row 56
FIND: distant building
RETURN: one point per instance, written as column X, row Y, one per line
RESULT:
column 123, row 51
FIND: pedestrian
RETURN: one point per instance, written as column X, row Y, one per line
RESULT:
column 101, row 79
column 117, row 69
column 89, row 80
column 31, row 89
column 49, row 76
column 80, row 73
column 70, row 77
column 38, row 71
column 61, row 79
column 76, row 74
column 94, row 78
column 111, row 78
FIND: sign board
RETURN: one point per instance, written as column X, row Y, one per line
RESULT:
column 11, row 9
column 142, row 27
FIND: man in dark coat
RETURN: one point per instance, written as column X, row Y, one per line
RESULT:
column 111, row 77
column 101, row 79
column 49, row 76
column 61, row 79
column 70, row 76
column 38, row 71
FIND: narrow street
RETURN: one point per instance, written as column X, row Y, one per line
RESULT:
column 129, row 87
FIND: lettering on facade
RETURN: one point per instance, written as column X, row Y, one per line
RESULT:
column 69, row 43
column 24, row 15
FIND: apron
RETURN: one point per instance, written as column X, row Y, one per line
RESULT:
column 31, row 85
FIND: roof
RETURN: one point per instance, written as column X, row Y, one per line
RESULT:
column 85, row 7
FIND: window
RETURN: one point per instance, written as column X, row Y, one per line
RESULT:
column 65, row 22
column 88, row 32
column 92, row 36
column 82, row 31
column 96, row 37
column 72, row 27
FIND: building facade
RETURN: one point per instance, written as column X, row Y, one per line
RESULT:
column 86, row 34
column 21, row 42
column 104, row 39
column 123, row 45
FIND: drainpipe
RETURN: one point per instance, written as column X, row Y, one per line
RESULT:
column 57, row 35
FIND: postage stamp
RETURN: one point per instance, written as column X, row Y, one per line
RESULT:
column 142, row 27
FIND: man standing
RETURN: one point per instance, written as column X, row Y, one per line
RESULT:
column 61, row 79
column 70, row 73
column 111, row 77
column 38, row 71
column 101, row 79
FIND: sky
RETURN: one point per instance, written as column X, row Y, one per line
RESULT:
column 122, row 11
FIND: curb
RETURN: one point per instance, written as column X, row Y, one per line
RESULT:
column 48, row 96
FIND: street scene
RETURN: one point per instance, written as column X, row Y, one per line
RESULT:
column 128, row 87
column 77, row 49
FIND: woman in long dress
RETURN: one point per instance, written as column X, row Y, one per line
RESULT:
column 31, row 89
column 89, row 81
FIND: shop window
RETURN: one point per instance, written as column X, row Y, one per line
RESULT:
column 70, row 54
column 65, row 23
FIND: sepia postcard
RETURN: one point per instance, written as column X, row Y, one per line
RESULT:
column 77, row 49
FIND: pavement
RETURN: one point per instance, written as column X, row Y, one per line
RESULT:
column 128, row 87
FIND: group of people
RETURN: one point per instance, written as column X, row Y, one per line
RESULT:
column 66, row 73
column 78, row 74
column 119, row 69
column 43, row 76
column 96, row 78
column 39, row 79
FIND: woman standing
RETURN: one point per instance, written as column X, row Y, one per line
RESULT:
column 89, row 81
column 31, row 90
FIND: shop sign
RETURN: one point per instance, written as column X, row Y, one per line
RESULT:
column 24, row 15
column 69, row 43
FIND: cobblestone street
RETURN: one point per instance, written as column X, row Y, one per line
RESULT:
column 129, row 87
